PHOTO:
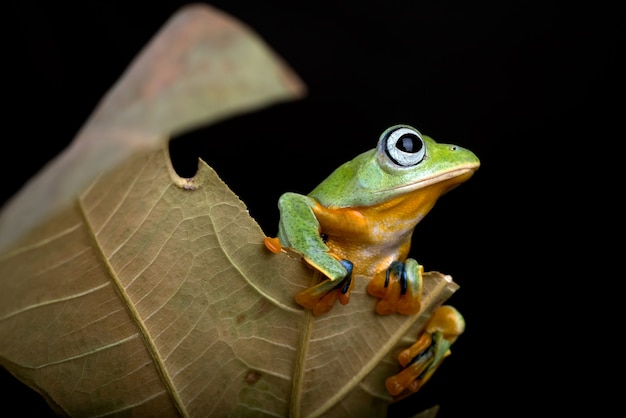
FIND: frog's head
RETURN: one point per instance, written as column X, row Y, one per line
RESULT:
column 404, row 161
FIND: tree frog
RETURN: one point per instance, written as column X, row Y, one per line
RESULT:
column 360, row 219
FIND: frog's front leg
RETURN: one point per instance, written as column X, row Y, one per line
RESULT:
column 299, row 229
column 422, row 359
column 399, row 288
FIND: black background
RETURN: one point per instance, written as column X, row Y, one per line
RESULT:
column 526, row 86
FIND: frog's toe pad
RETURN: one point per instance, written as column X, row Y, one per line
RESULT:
column 321, row 297
column 418, row 365
column 273, row 244
column 318, row 304
column 399, row 288
column 407, row 379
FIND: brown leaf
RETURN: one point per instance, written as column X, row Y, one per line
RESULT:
column 137, row 291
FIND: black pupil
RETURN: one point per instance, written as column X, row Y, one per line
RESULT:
column 409, row 143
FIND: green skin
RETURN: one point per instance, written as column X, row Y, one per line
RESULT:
column 370, row 179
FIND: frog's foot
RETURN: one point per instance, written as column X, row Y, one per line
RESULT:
column 399, row 288
column 422, row 359
column 321, row 297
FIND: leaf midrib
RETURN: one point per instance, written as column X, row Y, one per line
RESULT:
column 134, row 314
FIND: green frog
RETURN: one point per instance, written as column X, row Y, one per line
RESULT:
column 359, row 221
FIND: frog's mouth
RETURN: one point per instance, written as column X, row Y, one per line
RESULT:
column 446, row 179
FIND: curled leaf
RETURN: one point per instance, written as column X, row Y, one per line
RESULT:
column 203, row 66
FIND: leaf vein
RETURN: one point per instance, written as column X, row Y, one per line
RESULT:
column 331, row 336
column 131, row 406
column 269, row 341
column 53, row 301
column 38, row 244
column 87, row 353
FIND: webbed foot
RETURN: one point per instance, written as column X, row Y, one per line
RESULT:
column 422, row 359
column 321, row 297
column 399, row 288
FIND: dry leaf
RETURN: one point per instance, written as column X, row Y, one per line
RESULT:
column 130, row 290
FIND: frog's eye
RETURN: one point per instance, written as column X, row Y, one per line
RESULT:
column 404, row 146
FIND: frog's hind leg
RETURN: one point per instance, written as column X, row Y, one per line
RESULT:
column 422, row 359
column 321, row 297
column 399, row 288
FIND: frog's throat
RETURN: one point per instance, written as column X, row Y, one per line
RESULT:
column 463, row 173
